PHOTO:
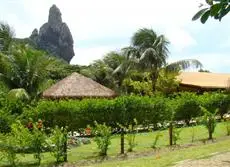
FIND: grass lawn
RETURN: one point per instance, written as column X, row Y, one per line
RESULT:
column 144, row 141
column 170, row 158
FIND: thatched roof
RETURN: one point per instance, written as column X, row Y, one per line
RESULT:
column 78, row 86
column 205, row 80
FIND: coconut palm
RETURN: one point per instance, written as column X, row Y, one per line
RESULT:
column 152, row 53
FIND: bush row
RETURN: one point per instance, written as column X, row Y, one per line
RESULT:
column 123, row 110
column 78, row 114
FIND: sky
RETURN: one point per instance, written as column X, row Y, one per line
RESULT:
column 101, row 26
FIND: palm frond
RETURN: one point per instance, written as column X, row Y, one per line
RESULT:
column 184, row 64
column 144, row 38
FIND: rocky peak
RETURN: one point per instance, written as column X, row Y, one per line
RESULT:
column 34, row 33
column 54, row 36
column 54, row 16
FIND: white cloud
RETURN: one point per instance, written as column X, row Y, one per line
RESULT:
column 180, row 39
column 84, row 56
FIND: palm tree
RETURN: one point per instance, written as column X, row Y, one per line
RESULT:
column 152, row 52
column 25, row 68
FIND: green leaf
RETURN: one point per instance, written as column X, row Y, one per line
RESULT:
column 199, row 14
column 214, row 10
column 205, row 16
column 223, row 12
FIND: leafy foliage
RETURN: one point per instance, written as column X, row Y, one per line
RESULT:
column 139, row 84
column 25, row 68
column 166, row 82
column 6, row 120
column 209, row 121
column 38, row 143
column 214, row 101
column 58, row 138
column 213, row 8
column 176, row 135
column 187, row 107
column 18, row 95
column 103, row 135
column 11, row 143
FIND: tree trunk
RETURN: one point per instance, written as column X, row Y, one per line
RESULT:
column 210, row 135
column 170, row 134
column 122, row 141
column 210, row 129
column 154, row 76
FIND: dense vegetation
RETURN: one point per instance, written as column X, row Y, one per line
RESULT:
column 139, row 73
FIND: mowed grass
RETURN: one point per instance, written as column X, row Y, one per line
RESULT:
column 173, row 157
column 144, row 142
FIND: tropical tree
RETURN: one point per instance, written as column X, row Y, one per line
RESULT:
column 213, row 8
column 152, row 52
column 25, row 68
column 167, row 82
column 109, row 71
column 100, row 72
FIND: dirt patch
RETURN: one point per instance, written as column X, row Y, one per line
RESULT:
column 218, row 160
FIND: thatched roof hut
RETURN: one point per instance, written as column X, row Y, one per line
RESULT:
column 203, row 81
column 78, row 86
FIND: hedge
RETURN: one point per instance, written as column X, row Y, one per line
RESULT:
column 78, row 114
column 123, row 110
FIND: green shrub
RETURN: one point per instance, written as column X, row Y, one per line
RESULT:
column 8, row 150
column 213, row 101
column 13, row 142
column 58, row 139
column 78, row 114
column 5, row 121
column 187, row 107
column 102, row 137
column 209, row 122
column 38, row 143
